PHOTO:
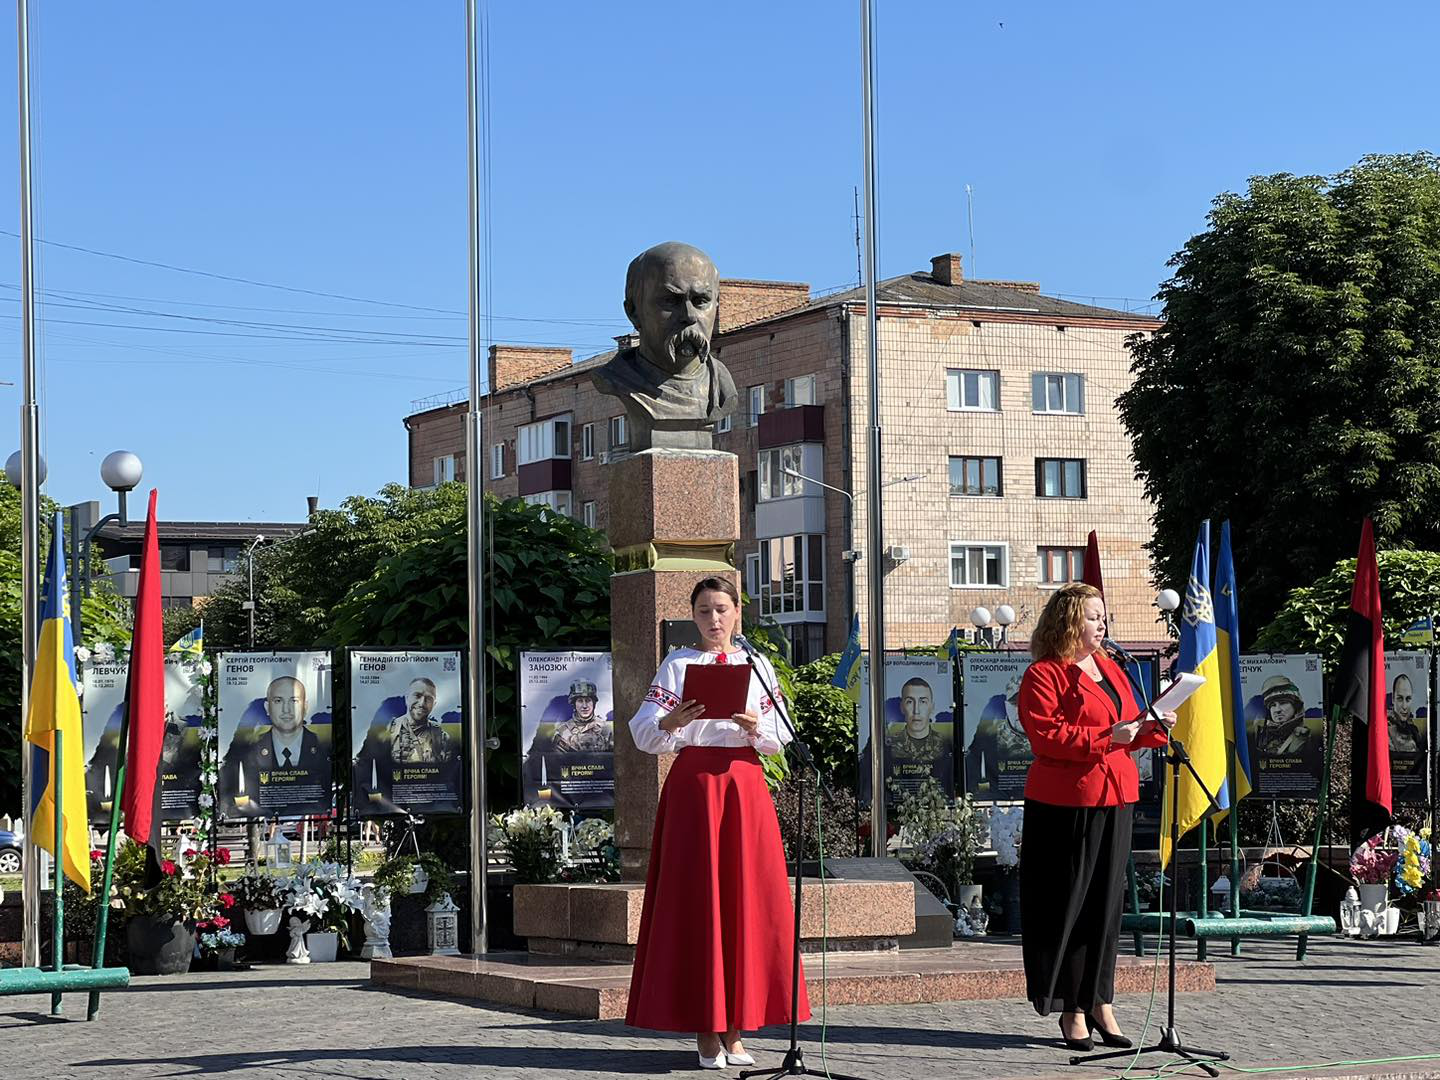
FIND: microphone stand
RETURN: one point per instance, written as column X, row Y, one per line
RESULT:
column 794, row 1063
column 1170, row 1042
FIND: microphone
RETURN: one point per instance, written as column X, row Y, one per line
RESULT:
column 744, row 644
column 1114, row 649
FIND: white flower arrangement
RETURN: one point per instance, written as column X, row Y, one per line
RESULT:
column 1006, row 824
column 594, row 833
column 323, row 891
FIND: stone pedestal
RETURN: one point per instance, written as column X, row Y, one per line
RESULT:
column 674, row 519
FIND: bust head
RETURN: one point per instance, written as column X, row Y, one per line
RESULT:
column 671, row 297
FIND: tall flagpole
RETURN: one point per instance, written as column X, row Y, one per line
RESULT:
column 29, row 506
column 475, row 518
column 874, row 518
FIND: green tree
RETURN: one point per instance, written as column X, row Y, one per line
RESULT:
column 1294, row 386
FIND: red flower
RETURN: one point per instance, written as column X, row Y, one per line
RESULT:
column 168, row 868
column 96, row 856
column 219, row 922
column 222, row 855
column 227, row 900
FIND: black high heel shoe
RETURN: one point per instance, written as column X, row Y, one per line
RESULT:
column 1085, row 1045
column 1109, row 1038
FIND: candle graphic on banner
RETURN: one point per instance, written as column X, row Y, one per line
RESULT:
column 107, row 800
column 544, row 789
column 241, row 799
column 375, row 793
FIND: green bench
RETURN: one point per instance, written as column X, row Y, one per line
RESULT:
column 29, row 980
column 1206, row 927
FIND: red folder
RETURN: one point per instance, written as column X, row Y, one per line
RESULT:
column 723, row 689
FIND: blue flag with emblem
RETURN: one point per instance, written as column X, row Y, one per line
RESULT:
column 847, row 671
column 1227, row 641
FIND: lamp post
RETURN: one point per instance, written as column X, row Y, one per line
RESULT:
column 1004, row 618
column 1168, row 601
column 250, row 572
column 121, row 472
column 981, row 618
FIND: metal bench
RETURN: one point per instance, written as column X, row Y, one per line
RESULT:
column 29, row 980
column 1206, row 927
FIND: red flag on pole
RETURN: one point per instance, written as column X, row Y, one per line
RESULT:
column 1360, row 691
column 1091, row 573
column 145, row 699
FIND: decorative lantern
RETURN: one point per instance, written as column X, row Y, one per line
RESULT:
column 1350, row 909
column 1430, row 921
column 442, row 927
column 1220, row 895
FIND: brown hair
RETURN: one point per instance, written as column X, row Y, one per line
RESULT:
column 715, row 584
column 1057, row 633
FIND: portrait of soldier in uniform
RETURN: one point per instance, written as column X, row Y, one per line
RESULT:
column 413, row 740
column 1282, row 730
column 1406, row 737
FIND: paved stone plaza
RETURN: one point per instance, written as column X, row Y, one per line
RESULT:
column 1347, row 1000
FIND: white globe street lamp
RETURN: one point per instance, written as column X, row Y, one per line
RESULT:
column 12, row 469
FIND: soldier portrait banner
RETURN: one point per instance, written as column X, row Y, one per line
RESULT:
column 103, row 704
column 996, row 750
column 406, row 731
column 567, row 730
column 919, row 726
column 1407, row 707
column 276, row 735
column 1285, row 723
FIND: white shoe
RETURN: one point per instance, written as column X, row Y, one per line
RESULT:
column 717, row 1062
column 742, row 1058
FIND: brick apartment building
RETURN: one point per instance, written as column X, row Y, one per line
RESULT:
column 1002, row 450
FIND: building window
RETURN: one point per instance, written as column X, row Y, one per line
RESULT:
column 1061, row 564
column 724, row 425
column 799, row 391
column 752, row 576
column 587, row 442
column 543, row 441
column 972, row 390
column 587, row 514
column 792, row 575
column 497, row 461
column 1060, row 478
column 775, row 481
column 975, row 476
column 556, row 501
column 619, row 433
column 978, row 565
column 444, row 469
column 223, row 560
column 174, row 557
column 1058, row 393
column 750, row 489
column 756, row 398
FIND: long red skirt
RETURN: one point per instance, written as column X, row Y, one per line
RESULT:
column 715, row 947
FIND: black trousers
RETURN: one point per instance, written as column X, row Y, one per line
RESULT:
column 1072, row 894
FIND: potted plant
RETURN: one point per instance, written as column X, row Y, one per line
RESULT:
column 531, row 837
column 1372, row 865
column 942, row 837
column 262, row 897
column 217, row 940
column 320, row 897
column 1006, row 827
column 161, row 918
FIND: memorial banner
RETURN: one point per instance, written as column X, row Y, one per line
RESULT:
column 997, row 752
column 407, row 732
column 1407, row 707
column 567, row 730
column 1285, row 723
column 103, row 701
column 919, row 726
column 275, row 734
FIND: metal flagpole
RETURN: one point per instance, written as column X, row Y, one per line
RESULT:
column 475, row 518
column 29, row 507
column 874, row 518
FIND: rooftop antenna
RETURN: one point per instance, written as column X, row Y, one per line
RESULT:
column 970, row 211
column 859, row 264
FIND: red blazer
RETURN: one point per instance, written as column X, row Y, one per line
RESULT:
column 1068, row 717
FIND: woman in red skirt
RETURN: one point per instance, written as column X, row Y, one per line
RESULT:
column 715, row 949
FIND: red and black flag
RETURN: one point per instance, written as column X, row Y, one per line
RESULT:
column 1090, row 574
column 145, row 702
column 1360, row 691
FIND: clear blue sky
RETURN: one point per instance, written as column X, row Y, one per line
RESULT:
column 321, row 146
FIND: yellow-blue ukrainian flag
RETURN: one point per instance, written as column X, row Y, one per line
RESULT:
column 55, row 707
column 192, row 644
column 1200, row 725
column 1227, row 641
column 847, row 671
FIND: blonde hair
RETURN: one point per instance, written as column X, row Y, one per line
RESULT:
column 1057, row 633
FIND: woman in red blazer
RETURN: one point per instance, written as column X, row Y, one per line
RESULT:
column 1083, row 724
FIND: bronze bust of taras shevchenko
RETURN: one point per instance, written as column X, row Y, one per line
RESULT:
column 674, row 391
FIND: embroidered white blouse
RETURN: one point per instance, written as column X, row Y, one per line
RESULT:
column 664, row 695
